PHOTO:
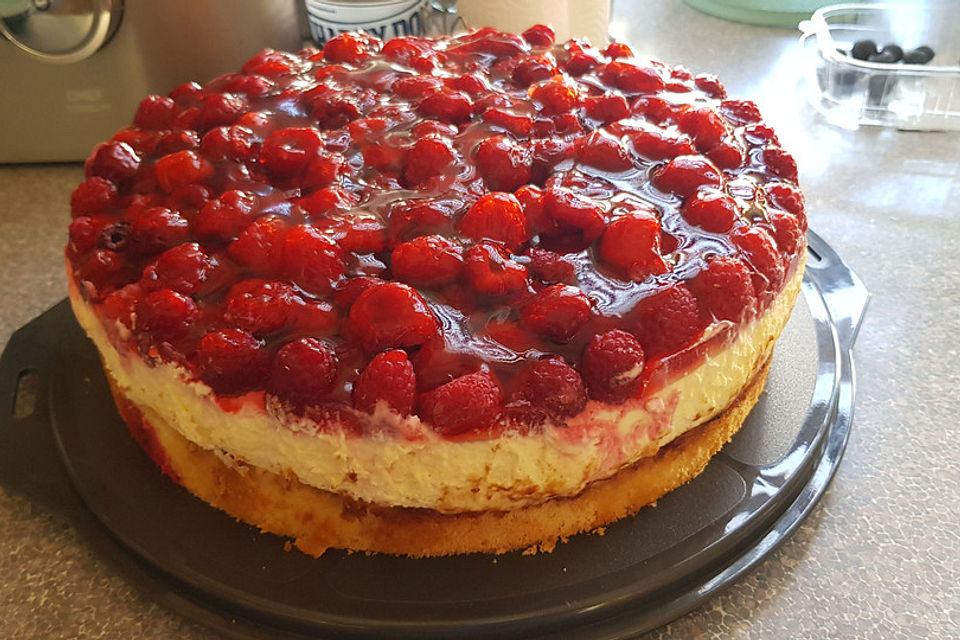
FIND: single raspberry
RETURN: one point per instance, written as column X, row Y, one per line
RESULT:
column 612, row 366
column 532, row 69
column 272, row 63
column 182, row 168
column 631, row 245
column 710, row 85
column 558, row 312
column 314, row 317
column 435, row 128
column 384, row 157
column 324, row 170
column 549, row 267
column 724, row 290
column 185, row 268
column 631, row 78
column 243, row 85
column 760, row 251
column 759, row 135
column 121, row 305
column 189, row 199
column 657, row 145
column 786, row 232
column 578, row 219
column 391, row 315
column 540, row 35
column 318, row 204
column 155, row 112
column 616, row 50
column 114, row 236
column 489, row 270
column 556, row 96
column 362, row 233
column 105, row 270
column 468, row 403
column 311, row 259
column 224, row 219
column 186, row 94
column 711, row 210
column 685, row 174
column 174, row 140
column 606, row 108
column 157, row 229
column 346, row 47
column 260, row 245
column 667, row 321
column 303, row 372
column 604, row 153
column 412, row 219
column 144, row 143
column 787, row 197
column 85, row 233
column 287, row 152
column 496, row 216
column 428, row 261
column 780, row 163
column 518, row 124
column 349, row 289
column 740, row 112
column 235, row 143
column 727, row 154
column 231, row 361
column 547, row 154
column 551, row 384
column 414, row 87
column 704, row 125
column 166, row 316
column 405, row 49
column 580, row 62
column 504, row 165
column 93, row 195
column 114, row 161
column 264, row 310
column 388, row 378
column 428, row 157
column 186, row 118
column 219, row 109
column 447, row 105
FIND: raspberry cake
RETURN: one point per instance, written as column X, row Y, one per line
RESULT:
column 437, row 296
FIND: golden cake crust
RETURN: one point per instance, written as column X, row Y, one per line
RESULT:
column 319, row 520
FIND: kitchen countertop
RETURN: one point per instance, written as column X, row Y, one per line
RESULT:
column 879, row 557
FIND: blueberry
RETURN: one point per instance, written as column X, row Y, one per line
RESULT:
column 886, row 58
column 920, row 55
column 893, row 50
column 863, row 49
column 878, row 88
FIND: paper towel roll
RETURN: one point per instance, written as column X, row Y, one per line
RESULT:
column 588, row 19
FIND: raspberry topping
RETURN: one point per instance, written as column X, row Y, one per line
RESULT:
column 550, row 384
column 558, row 312
column 468, row 403
column 424, row 223
column 303, row 372
column 612, row 366
column 388, row 378
column 391, row 315
column 231, row 361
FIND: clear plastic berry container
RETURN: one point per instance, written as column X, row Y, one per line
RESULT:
column 851, row 92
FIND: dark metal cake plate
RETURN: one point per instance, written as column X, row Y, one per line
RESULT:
column 69, row 450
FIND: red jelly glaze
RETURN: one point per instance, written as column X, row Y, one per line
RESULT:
column 475, row 229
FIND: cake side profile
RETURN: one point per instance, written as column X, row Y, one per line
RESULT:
column 434, row 296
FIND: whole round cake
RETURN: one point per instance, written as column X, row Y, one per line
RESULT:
column 436, row 296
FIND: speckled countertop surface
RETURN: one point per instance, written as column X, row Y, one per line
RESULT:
column 878, row 558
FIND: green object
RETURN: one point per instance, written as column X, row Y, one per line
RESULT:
column 772, row 13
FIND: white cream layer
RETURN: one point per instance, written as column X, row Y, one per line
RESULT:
column 407, row 464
